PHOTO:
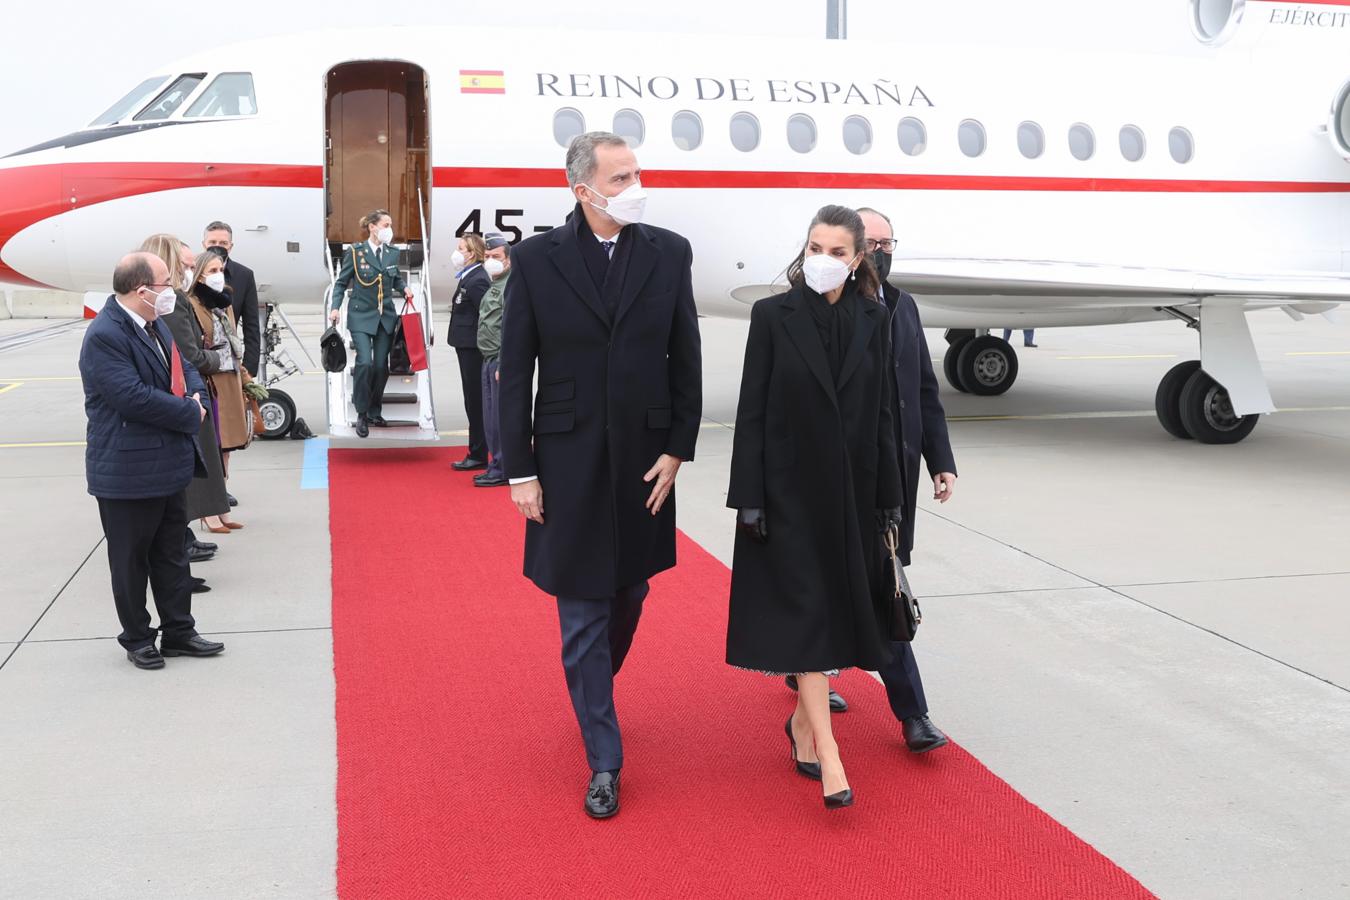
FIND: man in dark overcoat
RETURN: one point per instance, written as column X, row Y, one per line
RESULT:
column 605, row 305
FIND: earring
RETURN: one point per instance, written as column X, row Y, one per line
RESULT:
column 854, row 276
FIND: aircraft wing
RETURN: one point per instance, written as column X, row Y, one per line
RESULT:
column 1070, row 285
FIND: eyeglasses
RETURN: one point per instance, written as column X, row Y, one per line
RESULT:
column 885, row 246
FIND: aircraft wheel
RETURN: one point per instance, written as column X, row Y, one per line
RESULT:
column 1167, row 402
column 278, row 414
column 986, row 365
column 949, row 363
column 1207, row 413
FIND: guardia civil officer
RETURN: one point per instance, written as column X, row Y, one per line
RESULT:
column 474, row 282
column 605, row 305
column 371, row 270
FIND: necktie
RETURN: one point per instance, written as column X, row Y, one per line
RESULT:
column 609, row 248
column 177, row 383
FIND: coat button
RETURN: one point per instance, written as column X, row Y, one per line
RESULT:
column 904, row 445
column 902, row 404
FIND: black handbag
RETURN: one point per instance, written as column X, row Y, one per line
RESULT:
column 896, row 594
column 399, row 363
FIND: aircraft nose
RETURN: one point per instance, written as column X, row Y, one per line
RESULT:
column 30, row 201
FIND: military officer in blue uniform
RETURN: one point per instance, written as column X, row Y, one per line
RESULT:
column 371, row 270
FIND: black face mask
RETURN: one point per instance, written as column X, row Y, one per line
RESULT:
column 882, row 261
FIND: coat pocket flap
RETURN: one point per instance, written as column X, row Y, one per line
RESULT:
column 658, row 417
column 554, row 422
column 558, row 390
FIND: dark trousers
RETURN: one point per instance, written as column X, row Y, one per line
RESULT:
column 371, row 372
column 471, row 378
column 145, row 544
column 596, row 635
column 904, row 687
column 492, row 423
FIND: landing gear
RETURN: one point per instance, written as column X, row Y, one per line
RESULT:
column 984, row 365
column 278, row 414
column 1191, row 405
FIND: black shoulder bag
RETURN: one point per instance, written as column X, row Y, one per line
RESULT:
column 897, row 596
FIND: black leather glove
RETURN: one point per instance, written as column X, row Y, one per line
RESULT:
column 753, row 524
column 889, row 518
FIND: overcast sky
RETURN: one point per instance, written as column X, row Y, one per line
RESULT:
column 63, row 63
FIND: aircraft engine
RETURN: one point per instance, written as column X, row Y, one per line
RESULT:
column 1215, row 21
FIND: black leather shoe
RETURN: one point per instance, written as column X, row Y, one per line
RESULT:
column 193, row 646
column 204, row 546
column 921, row 735
column 231, row 499
column 199, row 585
column 195, row 554
column 837, row 703
column 468, row 464
column 146, row 658
column 810, row 770
column 377, row 421
column 490, row 481
column 362, row 428
column 839, row 800
column 602, row 795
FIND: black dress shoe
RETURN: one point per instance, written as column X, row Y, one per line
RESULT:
column 490, row 481
column 468, row 464
column 602, row 795
column 362, row 428
column 199, row 585
column 377, row 421
column 837, row 703
column 921, row 735
column 146, row 658
column 810, row 770
column 230, row 498
column 205, row 546
column 193, row 646
column 195, row 554
column 839, row 800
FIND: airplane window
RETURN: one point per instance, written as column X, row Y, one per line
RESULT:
column 971, row 137
column 567, row 124
column 687, row 130
column 1132, row 143
column 172, row 97
column 132, row 101
column 628, row 124
column 857, row 134
column 801, row 133
column 744, row 132
column 1082, row 143
column 913, row 137
column 230, row 94
column 1030, row 140
column 1181, row 145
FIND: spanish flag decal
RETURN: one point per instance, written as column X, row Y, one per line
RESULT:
column 482, row 81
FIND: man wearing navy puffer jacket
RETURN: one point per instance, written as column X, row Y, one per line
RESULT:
column 144, row 408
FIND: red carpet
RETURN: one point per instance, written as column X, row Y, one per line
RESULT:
column 461, row 772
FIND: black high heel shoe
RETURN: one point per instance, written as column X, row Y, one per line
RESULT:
column 810, row 770
column 839, row 800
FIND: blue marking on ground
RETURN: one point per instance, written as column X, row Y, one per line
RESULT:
column 314, row 475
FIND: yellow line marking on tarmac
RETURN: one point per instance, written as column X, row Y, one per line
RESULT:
column 45, row 378
column 42, row 444
column 10, row 386
column 1125, row 356
column 1319, row 353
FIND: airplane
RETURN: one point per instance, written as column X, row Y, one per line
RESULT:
column 1030, row 187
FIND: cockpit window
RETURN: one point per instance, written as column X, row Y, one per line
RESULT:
column 172, row 97
column 230, row 94
column 131, row 102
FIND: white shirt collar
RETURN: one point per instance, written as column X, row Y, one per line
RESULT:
column 374, row 246
column 614, row 240
column 135, row 316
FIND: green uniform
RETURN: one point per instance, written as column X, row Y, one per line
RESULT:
column 377, row 294
column 490, row 319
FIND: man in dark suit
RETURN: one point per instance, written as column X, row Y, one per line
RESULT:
column 473, row 284
column 921, row 429
column 244, row 288
column 144, row 408
column 606, row 306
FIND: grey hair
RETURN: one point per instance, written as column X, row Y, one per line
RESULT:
column 219, row 226
column 581, row 160
column 876, row 212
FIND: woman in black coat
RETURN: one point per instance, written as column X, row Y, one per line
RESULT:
column 814, row 477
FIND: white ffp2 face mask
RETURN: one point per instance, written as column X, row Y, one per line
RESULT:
column 626, row 207
column 164, row 303
column 457, row 260
column 215, row 281
column 824, row 273
column 385, row 235
column 493, row 267
column 187, row 281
